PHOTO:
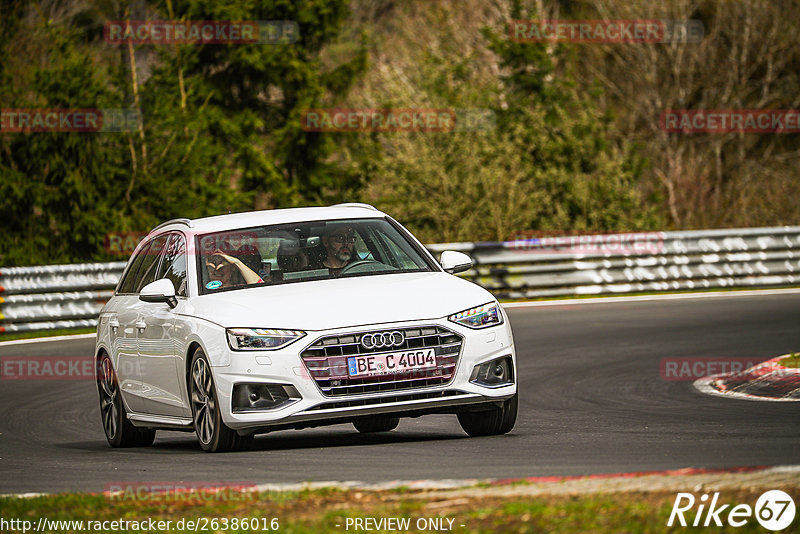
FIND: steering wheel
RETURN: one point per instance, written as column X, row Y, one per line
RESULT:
column 355, row 264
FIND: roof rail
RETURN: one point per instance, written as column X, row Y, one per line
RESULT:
column 185, row 221
column 355, row 205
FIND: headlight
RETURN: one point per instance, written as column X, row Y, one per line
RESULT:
column 261, row 338
column 479, row 316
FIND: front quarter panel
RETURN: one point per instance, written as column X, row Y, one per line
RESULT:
column 209, row 335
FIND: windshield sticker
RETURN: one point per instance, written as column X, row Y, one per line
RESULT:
column 214, row 284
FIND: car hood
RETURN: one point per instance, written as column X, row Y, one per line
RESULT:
column 343, row 302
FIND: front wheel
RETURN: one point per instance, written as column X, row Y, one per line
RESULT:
column 498, row 420
column 212, row 433
column 119, row 431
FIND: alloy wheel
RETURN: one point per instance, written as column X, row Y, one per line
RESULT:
column 203, row 400
column 109, row 396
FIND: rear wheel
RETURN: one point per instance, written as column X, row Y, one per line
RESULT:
column 376, row 423
column 492, row 422
column 212, row 433
column 119, row 431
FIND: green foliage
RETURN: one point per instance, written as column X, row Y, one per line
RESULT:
column 220, row 126
column 56, row 206
column 564, row 140
column 256, row 94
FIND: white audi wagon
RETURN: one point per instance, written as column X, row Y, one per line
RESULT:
column 241, row 324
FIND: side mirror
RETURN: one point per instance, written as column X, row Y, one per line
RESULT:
column 455, row 262
column 159, row 291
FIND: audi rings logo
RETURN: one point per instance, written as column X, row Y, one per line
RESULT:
column 381, row 340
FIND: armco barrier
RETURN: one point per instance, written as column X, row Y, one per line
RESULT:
column 71, row 296
column 750, row 257
column 55, row 296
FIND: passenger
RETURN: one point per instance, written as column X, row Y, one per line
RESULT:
column 290, row 258
column 228, row 271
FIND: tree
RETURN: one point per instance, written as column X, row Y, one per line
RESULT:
column 218, row 126
column 548, row 163
column 253, row 97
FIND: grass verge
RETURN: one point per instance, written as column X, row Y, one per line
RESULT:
column 10, row 336
column 332, row 510
column 793, row 360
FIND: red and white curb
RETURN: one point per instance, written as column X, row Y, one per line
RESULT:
column 764, row 371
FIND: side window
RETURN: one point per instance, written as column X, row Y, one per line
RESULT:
column 405, row 260
column 173, row 267
column 128, row 283
column 147, row 271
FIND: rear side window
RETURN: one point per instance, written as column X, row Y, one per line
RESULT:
column 173, row 267
column 129, row 281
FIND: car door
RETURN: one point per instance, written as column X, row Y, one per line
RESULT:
column 161, row 384
column 124, row 336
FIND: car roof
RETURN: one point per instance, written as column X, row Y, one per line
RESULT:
column 231, row 221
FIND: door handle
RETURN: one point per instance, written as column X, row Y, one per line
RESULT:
column 141, row 325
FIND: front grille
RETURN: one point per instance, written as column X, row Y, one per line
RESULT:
column 375, row 401
column 326, row 361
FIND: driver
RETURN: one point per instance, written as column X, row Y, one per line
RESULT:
column 339, row 245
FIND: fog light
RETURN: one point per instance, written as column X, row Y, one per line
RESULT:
column 254, row 397
column 495, row 373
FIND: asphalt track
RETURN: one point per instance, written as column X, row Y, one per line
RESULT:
column 593, row 401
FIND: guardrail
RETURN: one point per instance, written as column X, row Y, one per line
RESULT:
column 55, row 296
column 71, row 296
column 663, row 261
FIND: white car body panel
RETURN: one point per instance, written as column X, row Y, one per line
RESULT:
column 328, row 304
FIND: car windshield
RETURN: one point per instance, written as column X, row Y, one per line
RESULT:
column 297, row 252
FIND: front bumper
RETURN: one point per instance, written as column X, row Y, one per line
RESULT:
column 286, row 367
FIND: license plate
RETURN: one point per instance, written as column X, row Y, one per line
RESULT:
column 387, row 364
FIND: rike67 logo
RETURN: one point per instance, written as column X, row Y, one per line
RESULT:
column 774, row 510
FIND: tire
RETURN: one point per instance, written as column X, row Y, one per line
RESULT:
column 493, row 422
column 119, row 431
column 212, row 433
column 376, row 423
